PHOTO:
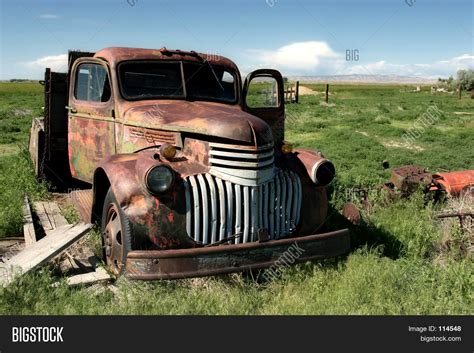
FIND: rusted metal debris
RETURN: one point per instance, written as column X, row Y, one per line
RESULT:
column 454, row 183
column 461, row 215
column 408, row 179
column 351, row 212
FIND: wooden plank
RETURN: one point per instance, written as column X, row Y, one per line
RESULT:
column 43, row 250
column 55, row 216
column 43, row 216
column 49, row 215
column 28, row 225
column 99, row 275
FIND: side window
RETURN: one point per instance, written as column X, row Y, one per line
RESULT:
column 262, row 93
column 92, row 83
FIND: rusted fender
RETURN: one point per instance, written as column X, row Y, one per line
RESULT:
column 157, row 222
column 455, row 182
column 319, row 169
column 314, row 204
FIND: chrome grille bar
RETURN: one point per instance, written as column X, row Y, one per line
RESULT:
column 222, row 209
column 205, row 209
column 238, row 212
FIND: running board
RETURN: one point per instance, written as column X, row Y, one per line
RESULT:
column 82, row 201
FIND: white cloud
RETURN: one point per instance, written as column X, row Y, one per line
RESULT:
column 48, row 16
column 57, row 63
column 440, row 68
column 303, row 56
column 317, row 58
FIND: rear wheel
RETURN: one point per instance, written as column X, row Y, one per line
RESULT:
column 116, row 234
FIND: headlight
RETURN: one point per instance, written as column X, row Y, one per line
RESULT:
column 323, row 172
column 159, row 179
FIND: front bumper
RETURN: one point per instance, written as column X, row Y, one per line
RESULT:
column 207, row 261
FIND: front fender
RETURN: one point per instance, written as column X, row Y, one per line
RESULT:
column 158, row 222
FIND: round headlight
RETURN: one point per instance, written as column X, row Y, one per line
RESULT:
column 159, row 179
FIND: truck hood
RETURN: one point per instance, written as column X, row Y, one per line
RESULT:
column 207, row 118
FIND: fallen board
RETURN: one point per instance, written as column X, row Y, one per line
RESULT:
column 42, row 251
column 99, row 275
column 28, row 225
column 49, row 215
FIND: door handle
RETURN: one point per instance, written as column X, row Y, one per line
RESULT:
column 71, row 109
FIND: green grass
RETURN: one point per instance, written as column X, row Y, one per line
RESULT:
column 395, row 265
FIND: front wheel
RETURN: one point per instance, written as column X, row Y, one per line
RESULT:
column 116, row 234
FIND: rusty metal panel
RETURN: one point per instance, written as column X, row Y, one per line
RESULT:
column 455, row 182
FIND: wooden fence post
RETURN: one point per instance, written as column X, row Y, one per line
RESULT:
column 297, row 91
column 327, row 93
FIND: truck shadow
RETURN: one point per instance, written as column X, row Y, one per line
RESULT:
column 367, row 235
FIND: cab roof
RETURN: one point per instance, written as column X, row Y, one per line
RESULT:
column 114, row 55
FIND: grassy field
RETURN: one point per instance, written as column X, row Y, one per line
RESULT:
column 403, row 260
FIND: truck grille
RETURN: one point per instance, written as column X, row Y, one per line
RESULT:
column 245, row 166
column 217, row 209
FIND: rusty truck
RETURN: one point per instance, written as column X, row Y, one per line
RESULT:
column 182, row 163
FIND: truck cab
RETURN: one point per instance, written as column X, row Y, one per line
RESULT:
column 183, row 166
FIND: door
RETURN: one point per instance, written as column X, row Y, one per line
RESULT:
column 262, row 96
column 91, row 118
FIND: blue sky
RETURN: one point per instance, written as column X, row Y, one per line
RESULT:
column 405, row 37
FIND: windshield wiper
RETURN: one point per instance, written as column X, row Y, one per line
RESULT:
column 210, row 66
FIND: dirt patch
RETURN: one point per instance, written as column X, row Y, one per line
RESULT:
column 464, row 113
column 21, row 112
column 306, row 91
column 8, row 149
column 397, row 144
column 363, row 133
column 470, row 124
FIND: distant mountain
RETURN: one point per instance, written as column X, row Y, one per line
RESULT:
column 363, row 79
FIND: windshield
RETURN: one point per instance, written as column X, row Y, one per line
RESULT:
column 192, row 81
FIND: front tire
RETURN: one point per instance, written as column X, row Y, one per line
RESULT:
column 116, row 234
